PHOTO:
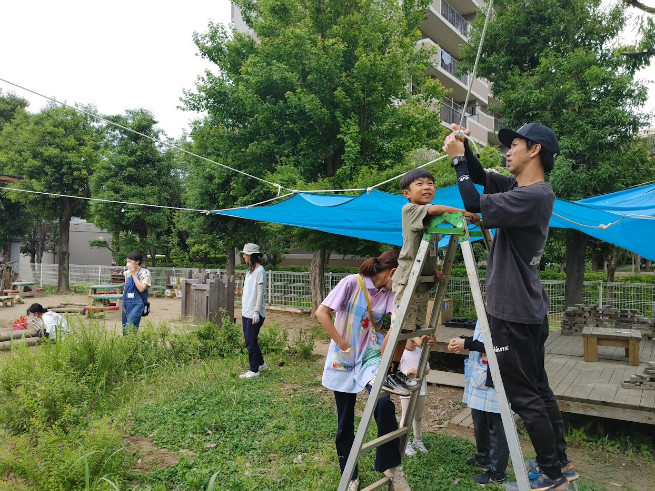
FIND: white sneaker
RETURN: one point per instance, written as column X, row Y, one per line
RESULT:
column 263, row 366
column 353, row 485
column 409, row 450
column 398, row 478
column 249, row 374
column 418, row 445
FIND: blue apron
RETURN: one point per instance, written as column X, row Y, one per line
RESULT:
column 133, row 307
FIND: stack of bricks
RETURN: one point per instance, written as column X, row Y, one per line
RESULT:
column 576, row 318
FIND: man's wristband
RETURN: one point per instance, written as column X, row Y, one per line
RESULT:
column 458, row 160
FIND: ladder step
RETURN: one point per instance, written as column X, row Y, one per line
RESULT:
column 384, row 482
column 381, row 440
column 419, row 332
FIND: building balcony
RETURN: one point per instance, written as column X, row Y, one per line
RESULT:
column 454, row 18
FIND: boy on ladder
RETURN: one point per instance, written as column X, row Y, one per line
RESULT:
column 417, row 186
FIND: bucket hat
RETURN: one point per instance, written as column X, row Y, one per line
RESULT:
column 250, row 249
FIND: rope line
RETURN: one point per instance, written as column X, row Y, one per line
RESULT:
column 477, row 59
column 371, row 188
column 168, row 144
column 132, row 203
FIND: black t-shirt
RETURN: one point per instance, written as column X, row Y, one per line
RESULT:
column 521, row 215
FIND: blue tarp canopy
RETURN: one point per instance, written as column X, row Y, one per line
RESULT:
column 625, row 218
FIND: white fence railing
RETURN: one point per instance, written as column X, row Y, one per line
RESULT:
column 292, row 289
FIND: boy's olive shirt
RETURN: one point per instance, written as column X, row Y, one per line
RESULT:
column 415, row 219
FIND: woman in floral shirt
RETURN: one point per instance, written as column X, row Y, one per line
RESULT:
column 360, row 302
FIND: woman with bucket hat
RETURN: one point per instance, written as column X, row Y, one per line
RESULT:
column 253, row 310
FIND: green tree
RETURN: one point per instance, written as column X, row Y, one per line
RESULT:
column 56, row 150
column 135, row 169
column 333, row 90
column 557, row 62
column 11, row 106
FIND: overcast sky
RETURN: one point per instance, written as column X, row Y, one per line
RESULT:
column 116, row 55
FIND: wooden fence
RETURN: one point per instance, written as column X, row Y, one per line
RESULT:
column 208, row 297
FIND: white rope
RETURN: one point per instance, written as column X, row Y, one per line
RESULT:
column 477, row 59
column 132, row 203
column 168, row 144
column 371, row 188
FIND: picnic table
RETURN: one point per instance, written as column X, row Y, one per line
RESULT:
column 106, row 289
column 24, row 288
column 105, row 300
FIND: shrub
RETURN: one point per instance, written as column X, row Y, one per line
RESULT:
column 272, row 339
column 302, row 344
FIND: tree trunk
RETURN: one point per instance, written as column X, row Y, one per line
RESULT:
column 317, row 277
column 596, row 262
column 153, row 256
column 636, row 268
column 612, row 264
column 63, row 253
column 229, row 260
column 575, row 258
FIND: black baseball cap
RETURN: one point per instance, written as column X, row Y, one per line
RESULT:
column 531, row 131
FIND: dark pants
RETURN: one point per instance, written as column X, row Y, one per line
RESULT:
column 250, row 334
column 387, row 455
column 490, row 441
column 520, row 349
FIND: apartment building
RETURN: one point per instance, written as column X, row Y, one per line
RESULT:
column 446, row 28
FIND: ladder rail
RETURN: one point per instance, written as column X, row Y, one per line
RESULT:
column 459, row 234
column 511, row 433
column 367, row 415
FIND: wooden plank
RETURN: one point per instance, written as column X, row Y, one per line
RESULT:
column 445, row 378
column 604, row 389
column 554, row 366
column 623, row 414
column 647, row 399
column 628, row 398
column 566, row 376
column 460, row 417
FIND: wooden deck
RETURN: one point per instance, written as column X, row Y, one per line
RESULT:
column 590, row 388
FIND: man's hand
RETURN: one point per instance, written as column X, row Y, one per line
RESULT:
column 453, row 146
column 456, row 345
column 475, row 218
column 255, row 318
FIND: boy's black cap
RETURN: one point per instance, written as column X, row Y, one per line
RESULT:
column 532, row 131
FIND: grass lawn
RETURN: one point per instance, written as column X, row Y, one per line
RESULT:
column 164, row 411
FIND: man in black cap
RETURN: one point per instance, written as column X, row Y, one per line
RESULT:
column 519, row 208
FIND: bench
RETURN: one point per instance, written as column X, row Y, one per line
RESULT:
column 91, row 311
column 629, row 339
column 106, row 299
column 7, row 301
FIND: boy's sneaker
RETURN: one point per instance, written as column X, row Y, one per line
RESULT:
column 398, row 478
column 542, row 483
column 353, row 485
column 249, row 374
column 474, row 462
column 488, row 478
column 410, row 450
column 391, row 385
column 568, row 470
column 418, row 445
column 263, row 367
column 404, row 381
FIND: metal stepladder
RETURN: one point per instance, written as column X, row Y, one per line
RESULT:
column 456, row 226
